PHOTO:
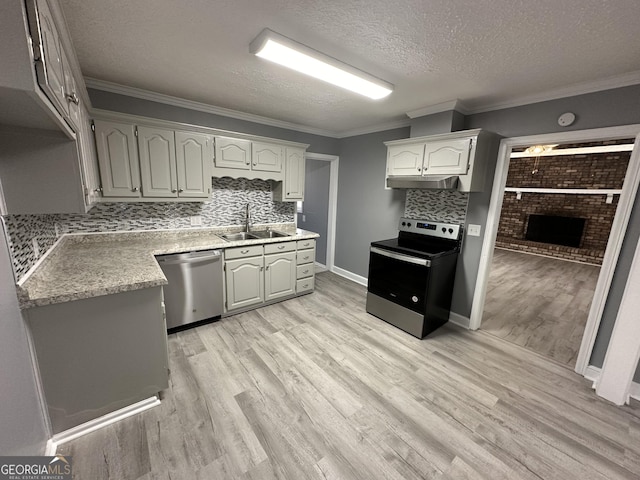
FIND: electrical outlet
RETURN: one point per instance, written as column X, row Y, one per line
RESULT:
column 473, row 230
column 196, row 221
column 304, row 218
column 36, row 247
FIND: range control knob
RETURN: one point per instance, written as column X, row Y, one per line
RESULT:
column 444, row 230
column 409, row 224
column 404, row 223
column 451, row 230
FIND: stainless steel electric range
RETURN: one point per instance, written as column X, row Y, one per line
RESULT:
column 411, row 276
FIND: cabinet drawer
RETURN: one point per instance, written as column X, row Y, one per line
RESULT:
column 240, row 252
column 306, row 270
column 279, row 247
column 310, row 243
column 306, row 256
column 304, row 285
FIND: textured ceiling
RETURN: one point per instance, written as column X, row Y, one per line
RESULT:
column 482, row 52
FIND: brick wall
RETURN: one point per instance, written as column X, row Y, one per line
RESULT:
column 594, row 171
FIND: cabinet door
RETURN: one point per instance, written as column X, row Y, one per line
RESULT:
column 118, row 159
column 157, row 162
column 405, row 159
column 50, row 67
column 88, row 159
column 294, row 174
column 71, row 96
column 279, row 275
column 266, row 157
column 233, row 153
column 447, row 157
column 244, row 280
column 194, row 156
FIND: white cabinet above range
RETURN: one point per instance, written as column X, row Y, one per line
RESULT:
column 450, row 160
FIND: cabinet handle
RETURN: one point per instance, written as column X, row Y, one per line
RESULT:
column 135, row 189
column 280, row 247
column 73, row 98
column 244, row 252
column 305, row 271
column 254, row 164
column 180, row 190
column 173, row 191
column 97, row 190
column 261, row 268
column 267, row 267
column 306, row 285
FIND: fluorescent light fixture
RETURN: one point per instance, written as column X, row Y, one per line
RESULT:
column 284, row 51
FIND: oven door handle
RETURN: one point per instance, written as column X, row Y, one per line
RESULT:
column 403, row 258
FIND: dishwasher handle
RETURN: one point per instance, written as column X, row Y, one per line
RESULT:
column 191, row 257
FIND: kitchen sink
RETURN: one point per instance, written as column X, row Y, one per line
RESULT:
column 269, row 234
column 235, row 237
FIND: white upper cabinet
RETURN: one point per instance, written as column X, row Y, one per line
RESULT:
column 194, row 157
column 157, row 150
column 71, row 96
column 118, row 159
column 447, row 157
column 405, row 160
column 266, row 157
column 233, row 153
column 49, row 56
column 463, row 154
column 291, row 189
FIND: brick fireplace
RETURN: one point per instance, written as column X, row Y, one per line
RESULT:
column 585, row 171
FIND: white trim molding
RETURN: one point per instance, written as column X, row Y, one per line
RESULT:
column 618, row 81
column 623, row 353
column 439, row 108
column 350, row 276
column 593, row 373
column 101, row 422
column 618, row 229
column 333, row 204
column 134, row 92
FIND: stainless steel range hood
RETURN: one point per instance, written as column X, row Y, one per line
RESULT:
column 433, row 182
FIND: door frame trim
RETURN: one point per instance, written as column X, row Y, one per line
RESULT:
column 333, row 203
column 618, row 229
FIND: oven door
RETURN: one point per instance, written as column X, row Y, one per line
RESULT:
column 399, row 278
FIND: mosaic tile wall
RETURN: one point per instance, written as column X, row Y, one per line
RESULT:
column 227, row 207
column 438, row 205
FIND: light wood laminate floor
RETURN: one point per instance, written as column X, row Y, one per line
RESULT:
column 539, row 302
column 316, row 388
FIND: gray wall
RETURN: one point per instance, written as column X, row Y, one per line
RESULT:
column 146, row 108
column 315, row 214
column 366, row 211
column 23, row 429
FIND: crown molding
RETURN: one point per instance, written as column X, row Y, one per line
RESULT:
column 202, row 107
column 439, row 108
column 618, row 81
column 403, row 122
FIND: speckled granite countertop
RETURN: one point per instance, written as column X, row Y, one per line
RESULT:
column 90, row 265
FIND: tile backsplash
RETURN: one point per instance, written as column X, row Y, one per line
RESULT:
column 30, row 236
column 448, row 206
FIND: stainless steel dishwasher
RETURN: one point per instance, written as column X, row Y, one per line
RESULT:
column 194, row 292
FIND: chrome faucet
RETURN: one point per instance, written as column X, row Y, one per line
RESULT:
column 247, row 220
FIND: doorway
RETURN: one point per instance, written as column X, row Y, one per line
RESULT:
column 617, row 231
column 317, row 213
column 559, row 204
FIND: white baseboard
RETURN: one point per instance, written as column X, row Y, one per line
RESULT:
column 50, row 449
column 320, row 267
column 593, row 373
column 459, row 320
column 105, row 420
column 350, row 276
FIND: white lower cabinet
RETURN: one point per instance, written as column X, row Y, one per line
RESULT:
column 244, row 282
column 258, row 274
column 279, row 275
